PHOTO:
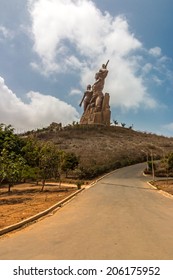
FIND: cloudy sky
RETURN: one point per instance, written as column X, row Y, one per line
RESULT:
column 50, row 51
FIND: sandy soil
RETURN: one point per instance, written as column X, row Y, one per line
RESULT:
column 164, row 185
column 26, row 200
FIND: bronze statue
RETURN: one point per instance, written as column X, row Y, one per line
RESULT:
column 86, row 97
column 96, row 103
column 99, row 85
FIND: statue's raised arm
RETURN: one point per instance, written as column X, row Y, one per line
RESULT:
column 103, row 72
column 107, row 63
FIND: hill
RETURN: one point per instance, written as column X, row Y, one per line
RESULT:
column 102, row 149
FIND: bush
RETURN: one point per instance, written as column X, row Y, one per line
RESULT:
column 170, row 161
column 79, row 184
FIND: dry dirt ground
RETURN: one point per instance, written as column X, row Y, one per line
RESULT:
column 26, row 200
column 164, row 185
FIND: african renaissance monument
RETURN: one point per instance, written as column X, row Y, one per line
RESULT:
column 95, row 102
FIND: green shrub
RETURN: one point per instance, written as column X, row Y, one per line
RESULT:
column 79, row 184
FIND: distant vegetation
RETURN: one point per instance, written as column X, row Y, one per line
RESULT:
column 162, row 168
column 27, row 158
column 76, row 152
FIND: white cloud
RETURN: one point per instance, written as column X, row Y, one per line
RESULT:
column 147, row 68
column 75, row 91
column 155, row 51
column 74, row 35
column 59, row 25
column 157, row 80
column 5, row 33
column 127, row 91
column 40, row 110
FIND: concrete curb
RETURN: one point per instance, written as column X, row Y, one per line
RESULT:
column 160, row 191
column 152, row 185
column 39, row 215
column 145, row 175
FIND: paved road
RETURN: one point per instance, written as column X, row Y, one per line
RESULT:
column 121, row 217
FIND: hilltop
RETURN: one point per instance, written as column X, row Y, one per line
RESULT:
column 102, row 148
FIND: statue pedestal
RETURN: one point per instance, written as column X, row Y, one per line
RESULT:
column 98, row 115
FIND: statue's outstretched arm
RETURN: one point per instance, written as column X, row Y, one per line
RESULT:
column 107, row 63
column 82, row 100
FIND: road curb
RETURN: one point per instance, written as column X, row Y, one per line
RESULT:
column 39, row 215
column 149, row 183
column 160, row 191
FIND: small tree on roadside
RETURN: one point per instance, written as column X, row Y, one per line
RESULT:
column 30, row 173
column 31, row 151
column 12, row 166
column 49, row 160
column 69, row 162
column 170, row 161
column 1, row 170
column 10, row 141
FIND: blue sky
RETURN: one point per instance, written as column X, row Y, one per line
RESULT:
column 50, row 51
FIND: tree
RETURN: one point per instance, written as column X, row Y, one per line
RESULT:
column 31, row 173
column 123, row 124
column 21, row 159
column 115, row 122
column 69, row 162
column 12, row 166
column 31, row 151
column 11, row 161
column 170, row 161
column 1, row 170
column 10, row 141
column 131, row 126
column 49, row 160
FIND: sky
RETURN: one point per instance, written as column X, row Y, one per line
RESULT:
column 50, row 51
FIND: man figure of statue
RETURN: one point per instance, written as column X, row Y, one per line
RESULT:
column 102, row 74
column 86, row 97
column 99, row 83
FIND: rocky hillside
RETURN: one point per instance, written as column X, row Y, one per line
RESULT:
column 101, row 149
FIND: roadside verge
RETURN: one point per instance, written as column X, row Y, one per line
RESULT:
column 160, row 191
column 39, row 215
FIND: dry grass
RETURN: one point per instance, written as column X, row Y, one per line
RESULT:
column 26, row 200
column 104, row 145
column 164, row 185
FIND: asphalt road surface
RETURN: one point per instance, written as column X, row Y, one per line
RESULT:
column 120, row 218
